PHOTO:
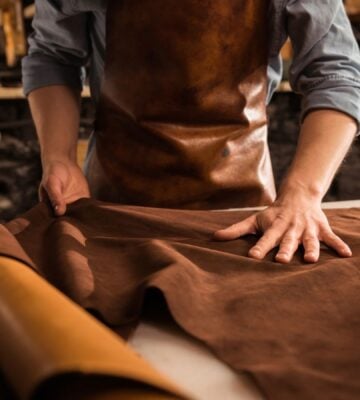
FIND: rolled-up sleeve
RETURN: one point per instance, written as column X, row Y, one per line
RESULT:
column 326, row 63
column 58, row 47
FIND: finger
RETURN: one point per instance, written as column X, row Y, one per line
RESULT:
column 311, row 245
column 268, row 241
column 334, row 242
column 288, row 246
column 41, row 193
column 234, row 231
column 53, row 189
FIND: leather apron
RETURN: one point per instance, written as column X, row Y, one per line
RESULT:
column 181, row 121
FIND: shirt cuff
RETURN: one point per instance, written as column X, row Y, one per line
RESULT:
column 343, row 97
column 39, row 70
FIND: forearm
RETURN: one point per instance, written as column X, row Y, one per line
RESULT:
column 56, row 113
column 325, row 138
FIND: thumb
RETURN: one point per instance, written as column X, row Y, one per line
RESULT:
column 54, row 190
column 245, row 227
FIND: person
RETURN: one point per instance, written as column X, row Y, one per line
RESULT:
column 325, row 70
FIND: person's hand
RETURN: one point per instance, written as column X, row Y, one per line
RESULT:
column 62, row 183
column 288, row 224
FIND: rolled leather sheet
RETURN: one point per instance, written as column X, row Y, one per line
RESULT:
column 294, row 328
column 50, row 348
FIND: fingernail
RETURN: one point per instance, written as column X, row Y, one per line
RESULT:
column 282, row 256
column 311, row 258
column 347, row 252
column 255, row 253
column 217, row 234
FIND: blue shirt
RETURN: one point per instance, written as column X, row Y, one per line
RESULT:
column 325, row 69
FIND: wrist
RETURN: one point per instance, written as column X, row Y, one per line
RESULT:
column 48, row 158
column 298, row 191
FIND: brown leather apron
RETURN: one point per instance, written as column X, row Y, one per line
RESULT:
column 181, row 121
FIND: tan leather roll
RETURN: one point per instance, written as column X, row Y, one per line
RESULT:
column 52, row 349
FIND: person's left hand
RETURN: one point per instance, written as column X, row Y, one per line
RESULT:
column 288, row 224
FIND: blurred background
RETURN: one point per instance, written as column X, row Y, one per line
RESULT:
column 20, row 167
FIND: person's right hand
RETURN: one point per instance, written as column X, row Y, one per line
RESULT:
column 63, row 182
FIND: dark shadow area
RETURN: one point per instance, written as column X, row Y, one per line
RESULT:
column 76, row 386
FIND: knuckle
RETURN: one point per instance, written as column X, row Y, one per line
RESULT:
column 311, row 245
column 256, row 248
column 262, row 242
column 338, row 241
column 281, row 216
column 269, row 242
column 277, row 226
column 325, row 233
column 310, row 239
column 280, row 220
column 45, row 183
column 288, row 241
column 294, row 225
column 232, row 226
column 331, row 236
column 265, row 241
column 325, row 227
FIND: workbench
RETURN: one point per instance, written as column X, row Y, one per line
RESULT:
column 189, row 363
column 44, row 333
